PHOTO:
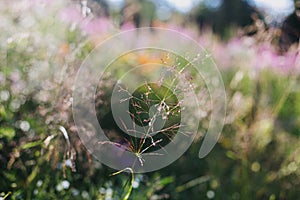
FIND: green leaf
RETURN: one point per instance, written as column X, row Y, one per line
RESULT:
column 32, row 175
column 2, row 112
column 192, row 183
column 7, row 132
column 167, row 180
column 31, row 144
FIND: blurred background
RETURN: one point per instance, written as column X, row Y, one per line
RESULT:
column 221, row 17
column 255, row 44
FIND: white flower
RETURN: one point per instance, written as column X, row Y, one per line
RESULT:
column 65, row 184
column 24, row 126
column 39, row 183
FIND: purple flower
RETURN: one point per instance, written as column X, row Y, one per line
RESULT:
column 71, row 14
column 97, row 26
column 127, row 26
